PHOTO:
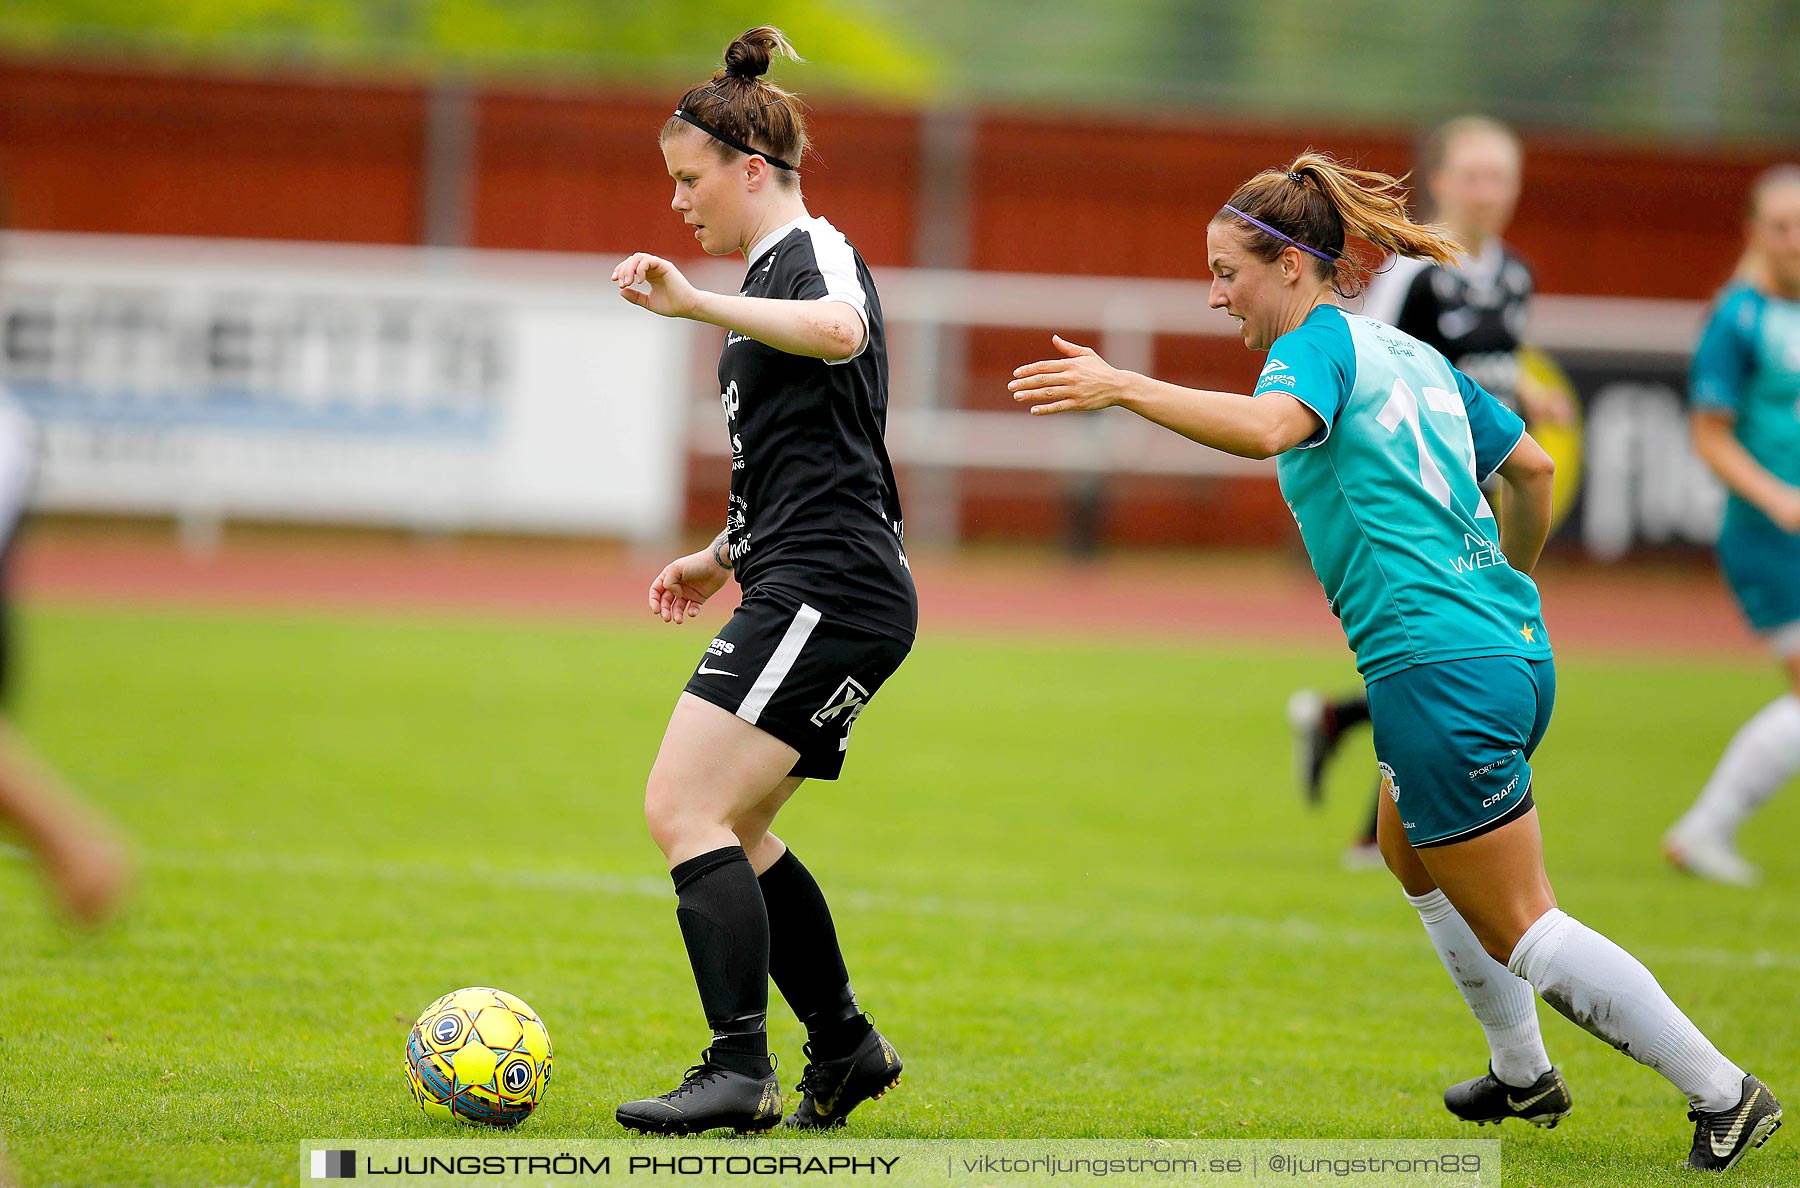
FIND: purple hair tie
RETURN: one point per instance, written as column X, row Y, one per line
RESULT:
column 1262, row 226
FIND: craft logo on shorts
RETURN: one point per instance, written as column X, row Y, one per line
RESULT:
column 334, row 1165
column 1389, row 784
column 846, row 705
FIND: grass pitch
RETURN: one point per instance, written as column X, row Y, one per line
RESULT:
column 1074, row 882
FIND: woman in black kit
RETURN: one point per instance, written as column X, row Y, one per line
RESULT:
column 814, row 534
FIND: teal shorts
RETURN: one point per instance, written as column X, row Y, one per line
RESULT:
column 1454, row 741
column 1762, row 565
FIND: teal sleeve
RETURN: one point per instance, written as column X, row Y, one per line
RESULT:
column 1316, row 365
column 1494, row 429
column 1725, row 357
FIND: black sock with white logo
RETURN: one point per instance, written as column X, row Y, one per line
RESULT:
column 805, row 961
column 726, row 929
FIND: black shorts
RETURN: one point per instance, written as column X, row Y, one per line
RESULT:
column 798, row 674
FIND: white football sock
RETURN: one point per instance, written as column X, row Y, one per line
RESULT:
column 1603, row 989
column 1502, row 1002
column 1762, row 756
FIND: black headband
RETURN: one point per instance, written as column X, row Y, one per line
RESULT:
column 730, row 141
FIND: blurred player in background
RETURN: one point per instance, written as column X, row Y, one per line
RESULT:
column 1745, row 399
column 82, row 855
column 815, row 536
column 1472, row 312
column 1383, row 446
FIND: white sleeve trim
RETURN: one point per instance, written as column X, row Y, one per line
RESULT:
column 837, row 264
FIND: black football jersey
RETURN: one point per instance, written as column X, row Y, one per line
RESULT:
column 1474, row 314
column 814, row 508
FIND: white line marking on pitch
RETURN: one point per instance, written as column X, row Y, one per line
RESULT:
column 1161, row 924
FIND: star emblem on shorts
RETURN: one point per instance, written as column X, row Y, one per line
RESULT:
column 1528, row 633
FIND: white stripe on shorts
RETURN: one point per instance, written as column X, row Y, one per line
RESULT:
column 776, row 670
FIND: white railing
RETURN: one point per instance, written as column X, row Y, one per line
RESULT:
column 580, row 360
column 925, row 309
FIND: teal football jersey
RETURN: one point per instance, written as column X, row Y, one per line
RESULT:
column 1388, row 496
column 1748, row 365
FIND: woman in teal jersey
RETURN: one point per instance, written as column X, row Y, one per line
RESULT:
column 1383, row 447
column 1745, row 397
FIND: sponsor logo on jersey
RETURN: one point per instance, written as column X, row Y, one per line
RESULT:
column 728, row 400
column 737, row 527
column 1269, row 377
column 733, row 338
column 1482, row 554
column 720, row 647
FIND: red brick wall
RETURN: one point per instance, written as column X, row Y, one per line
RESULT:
column 157, row 154
column 130, row 150
column 583, row 173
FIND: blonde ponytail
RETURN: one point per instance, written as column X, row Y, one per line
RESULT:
column 1373, row 206
column 1316, row 200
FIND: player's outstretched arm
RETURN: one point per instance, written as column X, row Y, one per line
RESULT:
column 815, row 329
column 1526, row 503
column 684, row 585
column 1718, row 446
column 1081, row 381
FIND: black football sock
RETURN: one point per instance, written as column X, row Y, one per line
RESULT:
column 805, row 961
column 726, row 929
column 1352, row 711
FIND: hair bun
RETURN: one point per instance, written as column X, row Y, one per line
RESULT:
column 750, row 54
